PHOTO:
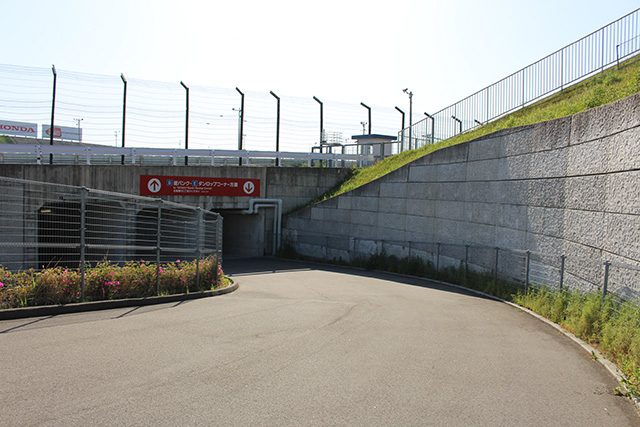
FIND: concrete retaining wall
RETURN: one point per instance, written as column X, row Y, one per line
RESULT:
column 295, row 186
column 567, row 186
column 247, row 235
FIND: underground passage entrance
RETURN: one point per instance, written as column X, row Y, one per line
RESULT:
column 245, row 235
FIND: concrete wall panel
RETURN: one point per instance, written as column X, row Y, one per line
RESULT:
column 567, row 186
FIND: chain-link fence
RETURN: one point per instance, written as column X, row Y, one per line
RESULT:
column 46, row 225
column 521, row 268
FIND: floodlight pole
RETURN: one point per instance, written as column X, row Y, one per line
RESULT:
column 277, row 128
column 186, row 125
column 368, row 108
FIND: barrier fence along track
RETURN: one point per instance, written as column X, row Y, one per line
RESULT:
column 50, row 225
column 524, row 268
column 594, row 53
column 98, row 155
column 125, row 112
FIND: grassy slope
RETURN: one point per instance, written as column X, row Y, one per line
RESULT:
column 599, row 90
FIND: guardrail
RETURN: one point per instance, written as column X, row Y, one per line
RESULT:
column 65, row 154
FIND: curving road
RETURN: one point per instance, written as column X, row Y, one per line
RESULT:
column 301, row 344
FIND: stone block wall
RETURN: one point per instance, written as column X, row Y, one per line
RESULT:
column 567, row 186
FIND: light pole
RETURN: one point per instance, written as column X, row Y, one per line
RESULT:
column 410, row 93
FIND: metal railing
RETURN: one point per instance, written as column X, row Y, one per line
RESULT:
column 46, row 225
column 370, row 152
column 524, row 268
column 591, row 54
column 98, row 155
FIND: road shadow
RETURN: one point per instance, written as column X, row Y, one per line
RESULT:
column 238, row 267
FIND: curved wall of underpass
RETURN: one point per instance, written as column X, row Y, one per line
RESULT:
column 569, row 186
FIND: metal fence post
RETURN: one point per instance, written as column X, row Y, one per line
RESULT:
column 607, row 264
column 158, row 235
column 124, row 114
column 466, row 262
column 277, row 126
column 198, row 251
column 354, row 255
column 325, row 248
column 83, row 243
column 219, row 237
column 526, row 281
column 186, row 124
column 437, row 256
column 562, row 260
column 495, row 272
column 53, row 110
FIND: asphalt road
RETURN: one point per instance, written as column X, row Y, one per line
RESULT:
column 299, row 344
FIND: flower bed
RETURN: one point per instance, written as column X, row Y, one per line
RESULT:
column 106, row 281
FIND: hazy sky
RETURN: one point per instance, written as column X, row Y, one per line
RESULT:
column 348, row 50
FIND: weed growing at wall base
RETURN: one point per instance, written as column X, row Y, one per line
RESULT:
column 611, row 326
column 106, row 281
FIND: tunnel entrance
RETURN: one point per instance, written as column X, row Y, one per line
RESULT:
column 243, row 235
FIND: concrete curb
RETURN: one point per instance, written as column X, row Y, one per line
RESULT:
column 54, row 310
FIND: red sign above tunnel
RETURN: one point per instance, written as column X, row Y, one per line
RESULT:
column 160, row 185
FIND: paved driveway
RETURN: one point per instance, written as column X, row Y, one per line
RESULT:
column 300, row 344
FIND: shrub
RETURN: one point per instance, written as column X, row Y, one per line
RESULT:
column 104, row 281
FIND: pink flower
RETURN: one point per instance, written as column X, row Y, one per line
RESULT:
column 1, row 285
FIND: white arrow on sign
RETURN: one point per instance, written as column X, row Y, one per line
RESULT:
column 248, row 187
column 154, row 185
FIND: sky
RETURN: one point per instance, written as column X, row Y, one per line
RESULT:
column 347, row 50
